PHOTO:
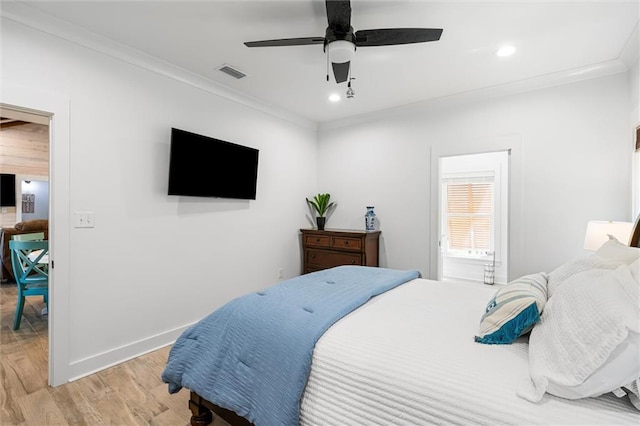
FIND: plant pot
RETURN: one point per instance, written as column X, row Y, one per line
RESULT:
column 320, row 221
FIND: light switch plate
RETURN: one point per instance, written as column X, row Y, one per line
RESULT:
column 84, row 220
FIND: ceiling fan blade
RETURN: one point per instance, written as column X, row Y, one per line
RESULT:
column 339, row 15
column 390, row 36
column 341, row 71
column 301, row 41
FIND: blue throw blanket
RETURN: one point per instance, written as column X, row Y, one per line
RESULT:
column 253, row 355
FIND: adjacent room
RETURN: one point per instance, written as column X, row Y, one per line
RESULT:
column 164, row 162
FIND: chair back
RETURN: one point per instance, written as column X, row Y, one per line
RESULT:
column 35, row 236
column 27, row 261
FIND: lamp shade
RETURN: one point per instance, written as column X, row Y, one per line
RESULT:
column 598, row 233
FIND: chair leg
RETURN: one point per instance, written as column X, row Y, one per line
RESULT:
column 18, row 317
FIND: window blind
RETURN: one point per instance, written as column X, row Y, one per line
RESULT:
column 470, row 215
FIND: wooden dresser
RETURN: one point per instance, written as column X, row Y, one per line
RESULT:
column 334, row 247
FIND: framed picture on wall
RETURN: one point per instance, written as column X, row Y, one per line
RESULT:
column 28, row 203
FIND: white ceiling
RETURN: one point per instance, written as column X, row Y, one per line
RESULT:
column 561, row 40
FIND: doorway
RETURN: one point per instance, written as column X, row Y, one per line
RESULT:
column 513, row 143
column 25, row 155
column 473, row 211
column 55, row 107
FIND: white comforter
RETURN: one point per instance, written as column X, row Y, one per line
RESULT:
column 408, row 357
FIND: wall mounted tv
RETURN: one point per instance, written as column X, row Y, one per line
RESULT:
column 201, row 166
column 7, row 190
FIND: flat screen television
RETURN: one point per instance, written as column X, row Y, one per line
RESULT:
column 202, row 166
column 7, row 190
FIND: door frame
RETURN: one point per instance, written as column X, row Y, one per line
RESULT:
column 512, row 143
column 57, row 108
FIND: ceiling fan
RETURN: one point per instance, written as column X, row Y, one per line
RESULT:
column 340, row 40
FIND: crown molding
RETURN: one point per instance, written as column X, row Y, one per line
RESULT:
column 477, row 95
column 48, row 24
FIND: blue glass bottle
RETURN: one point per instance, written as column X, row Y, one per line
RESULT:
column 370, row 219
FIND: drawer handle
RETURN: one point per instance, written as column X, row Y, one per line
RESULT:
column 353, row 262
column 346, row 243
column 313, row 256
column 317, row 240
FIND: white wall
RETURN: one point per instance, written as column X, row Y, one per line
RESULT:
column 574, row 166
column 153, row 263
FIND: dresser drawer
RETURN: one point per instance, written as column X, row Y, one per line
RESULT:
column 323, row 249
column 329, row 259
column 317, row 240
column 346, row 243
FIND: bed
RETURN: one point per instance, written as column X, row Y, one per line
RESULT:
column 415, row 352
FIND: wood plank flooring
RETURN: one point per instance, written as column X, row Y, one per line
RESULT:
column 131, row 393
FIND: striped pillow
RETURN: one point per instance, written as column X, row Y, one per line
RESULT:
column 513, row 310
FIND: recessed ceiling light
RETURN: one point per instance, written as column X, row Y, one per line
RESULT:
column 507, row 50
column 334, row 97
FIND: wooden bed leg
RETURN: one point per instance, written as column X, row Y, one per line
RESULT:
column 203, row 419
column 200, row 415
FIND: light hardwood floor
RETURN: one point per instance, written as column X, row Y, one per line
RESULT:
column 131, row 393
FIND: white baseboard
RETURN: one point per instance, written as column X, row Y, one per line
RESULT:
column 93, row 364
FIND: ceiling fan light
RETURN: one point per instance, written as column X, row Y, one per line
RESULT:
column 341, row 51
column 506, row 50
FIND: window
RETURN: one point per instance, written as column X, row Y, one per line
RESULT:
column 469, row 214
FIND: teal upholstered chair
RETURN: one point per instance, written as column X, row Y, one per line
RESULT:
column 31, row 272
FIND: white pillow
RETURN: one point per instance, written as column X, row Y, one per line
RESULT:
column 575, row 266
column 614, row 251
column 635, row 270
column 622, row 366
column 578, row 348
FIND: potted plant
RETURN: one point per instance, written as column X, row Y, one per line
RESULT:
column 321, row 204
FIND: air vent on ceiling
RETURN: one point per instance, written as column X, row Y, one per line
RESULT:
column 228, row 69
